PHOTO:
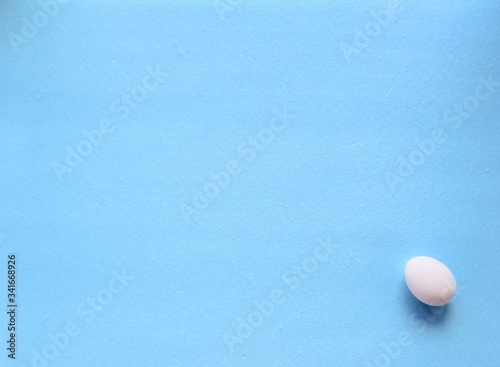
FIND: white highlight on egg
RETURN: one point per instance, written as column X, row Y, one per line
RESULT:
column 430, row 280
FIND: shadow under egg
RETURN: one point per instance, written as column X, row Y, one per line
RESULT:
column 421, row 314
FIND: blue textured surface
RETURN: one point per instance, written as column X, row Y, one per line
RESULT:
column 389, row 148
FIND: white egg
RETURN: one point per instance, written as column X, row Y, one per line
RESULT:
column 430, row 280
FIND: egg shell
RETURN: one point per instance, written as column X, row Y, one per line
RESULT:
column 430, row 280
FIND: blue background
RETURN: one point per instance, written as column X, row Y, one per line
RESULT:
column 332, row 172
